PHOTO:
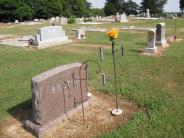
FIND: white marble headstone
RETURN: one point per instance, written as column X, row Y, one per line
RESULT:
column 151, row 48
column 49, row 36
column 147, row 13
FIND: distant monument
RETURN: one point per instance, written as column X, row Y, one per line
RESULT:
column 123, row 18
column 147, row 13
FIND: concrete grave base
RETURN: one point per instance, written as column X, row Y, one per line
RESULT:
column 124, row 21
column 49, row 43
column 41, row 130
column 150, row 50
column 144, row 18
column 163, row 43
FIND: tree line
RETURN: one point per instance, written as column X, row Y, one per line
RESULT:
column 131, row 7
column 29, row 9
column 24, row 10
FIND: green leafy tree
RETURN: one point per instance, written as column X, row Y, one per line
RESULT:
column 79, row 8
column 155, row 6
column 23, row 12
column 7, row 9
column 113, row 6
column 130, row 7
column 97, row 11
column 27, row 9
column 182, row 5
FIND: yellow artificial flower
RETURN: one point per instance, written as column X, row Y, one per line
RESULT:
column 113, row 34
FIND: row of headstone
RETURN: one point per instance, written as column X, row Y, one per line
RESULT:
column 121, row 17
column 59, row 20
column 96, row 19
column 156, row 37
column 35, row 20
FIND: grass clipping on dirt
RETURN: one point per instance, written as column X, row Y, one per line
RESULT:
column 98, row 120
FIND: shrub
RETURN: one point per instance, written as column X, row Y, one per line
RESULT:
column 71, row 20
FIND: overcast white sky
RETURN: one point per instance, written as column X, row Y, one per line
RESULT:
column 172, row 5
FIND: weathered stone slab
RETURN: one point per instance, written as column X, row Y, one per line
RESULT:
column 55, row 93
column 151, row 48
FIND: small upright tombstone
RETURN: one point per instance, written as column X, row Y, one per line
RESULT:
column 78, row 20
column 52, row 20
column 81, row 34
column 56, row 94
column 147, row 13
column 36, row 20
column 63, row 21
column 16, row 21
column 151, row 48
column 117, row 17
column 57, row 20
column 42, row 20
column 160, row 34
column 123, row 18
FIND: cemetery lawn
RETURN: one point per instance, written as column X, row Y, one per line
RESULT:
column 153, row 82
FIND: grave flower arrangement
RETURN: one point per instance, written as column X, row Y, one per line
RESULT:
column 113, row 34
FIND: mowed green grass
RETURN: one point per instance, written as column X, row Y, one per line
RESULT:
column 156, row 83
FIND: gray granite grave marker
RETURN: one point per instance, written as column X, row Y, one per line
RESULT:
column 160, row 34
column 56, row 94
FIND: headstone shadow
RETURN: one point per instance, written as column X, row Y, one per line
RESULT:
column 138, row 50
column 22, row 111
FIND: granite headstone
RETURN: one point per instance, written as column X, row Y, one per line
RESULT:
column 160, row 34
column 56, row 94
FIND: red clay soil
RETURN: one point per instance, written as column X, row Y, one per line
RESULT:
column 98, row 120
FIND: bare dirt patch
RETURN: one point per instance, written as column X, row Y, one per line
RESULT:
column 98, row 120
column 3, row 37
